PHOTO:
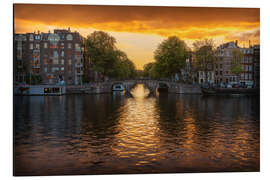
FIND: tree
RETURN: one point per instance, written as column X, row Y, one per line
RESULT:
column 204, row 56
column 170, row 56
column 147, row 68
column 100, row 51
column 236, row 67
column 103, row 56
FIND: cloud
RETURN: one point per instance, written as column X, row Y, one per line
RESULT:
column 139, row 29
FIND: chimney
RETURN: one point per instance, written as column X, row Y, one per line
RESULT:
column 68, row 29
column 49, row 31
column 236, row 43
column 38, row 32
column 249, row 43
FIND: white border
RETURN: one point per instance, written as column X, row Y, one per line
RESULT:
column 6, row 86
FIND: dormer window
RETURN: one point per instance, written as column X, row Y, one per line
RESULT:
column 69, row 37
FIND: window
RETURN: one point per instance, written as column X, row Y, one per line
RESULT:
column 250, row 76
column 70, row 69
column 69, row 37
column 45, row 45
column 45, row 69
column 55, row 61
column 220, row 66
column 55, row 69
column 31, row 37
column 69, row 45
column 62, row 53
column 69, row 61
column 220, row 72
column 31, row 46
column 62, row 45
column 62, row 61
column 45, row 61
column 62, row 68
column 62, row 37
column 216, row 73
column 77, row 46
column 250, row 68
column 37, row 37
column 37, row 46
column 55, row 54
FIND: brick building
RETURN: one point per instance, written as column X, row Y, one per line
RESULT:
column 247, row 75
column 52, row 56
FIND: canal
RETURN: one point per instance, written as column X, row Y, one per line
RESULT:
column 114, row 133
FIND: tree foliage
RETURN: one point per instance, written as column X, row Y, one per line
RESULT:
column 204, row 55
column 170, row 57
column 104, row 57
column 236, row 67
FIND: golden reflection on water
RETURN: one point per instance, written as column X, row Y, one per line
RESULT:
column 138, row 135
column 112, row 133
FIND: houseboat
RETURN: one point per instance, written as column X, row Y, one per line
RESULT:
column 40, row 90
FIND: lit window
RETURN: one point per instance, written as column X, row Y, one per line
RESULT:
column 45, row 45
column 69, row 61
column 69, row 45
column 31, row 46
column 62, row 68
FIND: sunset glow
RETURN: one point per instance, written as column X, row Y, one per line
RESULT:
column 138, row 30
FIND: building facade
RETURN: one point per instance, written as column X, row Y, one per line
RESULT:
column 51, row 56
column 247, row 75
column 256, row 59
column 222, row 66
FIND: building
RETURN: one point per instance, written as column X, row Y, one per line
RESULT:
column 19, row 52
column 256, row 59
column 247, row 75
column 51, row 56
column 222, row 66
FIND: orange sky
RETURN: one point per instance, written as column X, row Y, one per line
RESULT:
column 139, row 29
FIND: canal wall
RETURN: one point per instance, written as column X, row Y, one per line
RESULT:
column 180, row 88
column 106, row 87
column 98, row 87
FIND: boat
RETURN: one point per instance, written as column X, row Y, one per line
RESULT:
column 40, row 90
column 162, row 87
column 118, row 87
column 217, row 91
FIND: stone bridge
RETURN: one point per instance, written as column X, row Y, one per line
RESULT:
column 152, row 85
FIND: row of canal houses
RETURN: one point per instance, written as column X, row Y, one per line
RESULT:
column 59, row 55
column 219, row 72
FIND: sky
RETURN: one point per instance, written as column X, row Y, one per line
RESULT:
column 140, row 29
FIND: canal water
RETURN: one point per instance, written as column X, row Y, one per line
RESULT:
column 115, row 133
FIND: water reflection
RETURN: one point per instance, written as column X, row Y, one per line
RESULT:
column 112, row 133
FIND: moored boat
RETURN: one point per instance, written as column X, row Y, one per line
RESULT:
column 118, row 87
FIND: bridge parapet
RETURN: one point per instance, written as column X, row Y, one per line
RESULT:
column 152, row 85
